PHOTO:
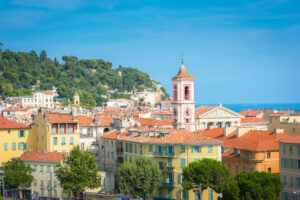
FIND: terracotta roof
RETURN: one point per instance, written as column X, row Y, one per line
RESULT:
column 202, row 109
column 60, row 118
column 291, row 140
column 8, row 124
column 183, row 74
column 173, row 137
column 84, row 120
column 49, row 92
column 253, row 120
column 281, row 113
column 105, row 121
column 14, row 109
column 250, row 113
column 154, row 122
column 255, row 140
column 164, row 112
column 42, row 157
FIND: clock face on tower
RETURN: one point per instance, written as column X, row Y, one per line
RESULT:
column 187, row 113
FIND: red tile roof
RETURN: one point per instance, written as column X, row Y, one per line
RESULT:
column 154, row 122
column 253, row 120
column 202, row 109
column 104, row 121
column 44, row 92
column 173, row 137
column 60, row 118
column 15, row 109
column 8, row 124
column 164, row 112
column 183, row 74
column 113, row 135
column 42, row 157
column 250, row 113
column 291, row 140
column 84, row 120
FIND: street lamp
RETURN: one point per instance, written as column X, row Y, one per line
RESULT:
column 2, row 175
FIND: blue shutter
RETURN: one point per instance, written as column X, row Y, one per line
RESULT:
column 24, row 145
column 179, row 178
column 19, row 146
column 210, row 195
column 71, row 140
column 13, row 146
column 193, row 150
column 5, row 146
column 19, row 135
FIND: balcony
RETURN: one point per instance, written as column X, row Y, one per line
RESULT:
column 168, row 185
column 163, row 154
column 94, row 149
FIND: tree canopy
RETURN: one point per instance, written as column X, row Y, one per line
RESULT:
column 207, row 172
column 78, row 171
column 17, row 174
column 140, row 177
column 253, row 186
column 22, row 72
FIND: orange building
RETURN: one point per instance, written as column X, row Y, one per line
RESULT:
column 246, row 149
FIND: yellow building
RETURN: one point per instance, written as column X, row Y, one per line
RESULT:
column 15, row 139
column 286, row 121
column 55, row 132
column 172, row 150
column 289, row 154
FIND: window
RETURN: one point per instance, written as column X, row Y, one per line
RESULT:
column 227, row 124
column 63, row 140
column 54, row 140
column 135, row 148
column 42, row 182
column 210, row 149
column 161, row 165
column 55, row 184
column 294, row 130
column 269, row 155
column 298, row 182
column 179, row 194
column 160, row 193
column 14, row 146
column 251, row 155
column 179, row 178
column 35, row 167
column 182, row 149
column 22, row 146
column 209, row 124
column 62, row 128
column 210, row 194
column 5, row 146
column 269, row 170
column 291, row 150
column 49, row 192
column 70, row 128
column 8, row 131
column 291, row 181
column 284, row 179
column 284, row 148
column 170, row 194
column 182, row 163
column 196, row 149
column 71, row 140
column 186, row 93
column 169, row 162
column 54, row 193
column 197, row 193
column 298, row 150
column 175, row 92
column 42, row 168
column 22, row 133
column 48, row 183
column 185, row 194
column 219, row 124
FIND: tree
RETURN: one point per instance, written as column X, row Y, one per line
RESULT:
column 43, row 55
column 17, row 174
column 207, row 172
column 140, row 177
column 78, row 171
column 253, row 185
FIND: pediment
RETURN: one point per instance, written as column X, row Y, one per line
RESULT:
column 220, row 112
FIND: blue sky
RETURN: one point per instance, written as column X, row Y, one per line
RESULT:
column 238, row 51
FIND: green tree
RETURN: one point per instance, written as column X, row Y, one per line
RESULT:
column 43, row 55
column 17, row 174
column 207, row 172
column 253, row 186
column 140, row 177
column 78, row 171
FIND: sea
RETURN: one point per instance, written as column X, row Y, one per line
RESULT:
column 259, row 106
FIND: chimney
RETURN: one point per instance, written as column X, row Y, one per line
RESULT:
column 228, row 130
column 242, row 130
column 278, row 130
column 210, row 127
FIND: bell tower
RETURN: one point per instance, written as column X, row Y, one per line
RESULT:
column 76, row 99
column 183, row 100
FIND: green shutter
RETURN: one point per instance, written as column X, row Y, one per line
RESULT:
column 179, row 194
column 19, row 135
column 298, row 150
column 193, row 149
column 179, row 178
column 25, row 146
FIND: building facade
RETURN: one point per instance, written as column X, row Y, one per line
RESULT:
column 39, row 99
column 15, row 139
column 183, row 100
column 289, row 153
column 289, row 123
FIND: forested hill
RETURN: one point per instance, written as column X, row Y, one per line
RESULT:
column 94, row 79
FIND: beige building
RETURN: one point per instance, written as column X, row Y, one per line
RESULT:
column 55, row 132
column 38, row 99
column 45, row 182
column 288, row 122
column 289, row 154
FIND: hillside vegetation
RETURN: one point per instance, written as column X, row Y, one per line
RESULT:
column 94, row 79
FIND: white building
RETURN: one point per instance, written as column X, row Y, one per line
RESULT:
column 121, row 103
column 45, row 182
column 38, row 99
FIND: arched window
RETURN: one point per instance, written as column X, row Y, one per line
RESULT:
column 219, row 125
column 227, row 124
column 106, row 130
column 209, row 124
column 175, row 112
column 186, row 93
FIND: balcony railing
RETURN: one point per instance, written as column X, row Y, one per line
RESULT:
column 169, row 185
column 163, row 154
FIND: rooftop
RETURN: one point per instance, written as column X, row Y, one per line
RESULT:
column 8, row 124
column 42, row 157
column 183, row 74
column 253, row 120
column 60, row 118
column 202, row 109
column 250, row 113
